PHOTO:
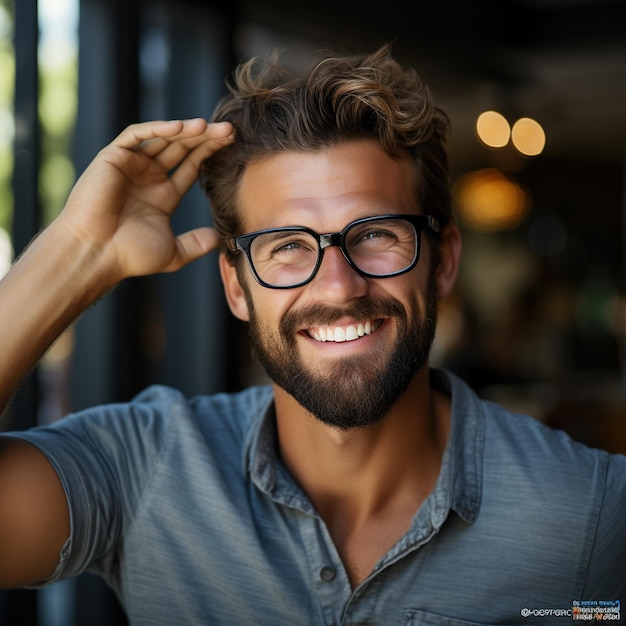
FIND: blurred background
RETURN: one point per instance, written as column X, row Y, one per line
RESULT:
column 536, row 91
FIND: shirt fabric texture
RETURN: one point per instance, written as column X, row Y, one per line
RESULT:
column 185, row 508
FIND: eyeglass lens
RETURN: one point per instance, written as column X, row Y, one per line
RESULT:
column 377, row 248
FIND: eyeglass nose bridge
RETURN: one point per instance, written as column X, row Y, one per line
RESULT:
column 329, row 239
column 334, row 239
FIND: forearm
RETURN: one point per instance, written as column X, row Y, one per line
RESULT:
column 52, row 283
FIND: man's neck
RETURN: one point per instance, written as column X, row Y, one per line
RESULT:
column 369, row 480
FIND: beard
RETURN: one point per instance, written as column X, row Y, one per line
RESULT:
column 355, row 391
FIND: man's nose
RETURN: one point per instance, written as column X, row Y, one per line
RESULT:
column 336, row 280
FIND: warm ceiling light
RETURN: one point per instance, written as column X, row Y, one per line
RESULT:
column 528, row 136
column 493, row 129
column 488, row 200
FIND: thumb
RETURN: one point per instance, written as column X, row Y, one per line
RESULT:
column 192, row 245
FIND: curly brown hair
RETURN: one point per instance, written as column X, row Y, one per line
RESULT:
column 341, row 98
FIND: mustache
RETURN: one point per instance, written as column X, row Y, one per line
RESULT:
column 361, row 310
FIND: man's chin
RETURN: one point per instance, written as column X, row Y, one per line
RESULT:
column 349, row 393
column 344, row 407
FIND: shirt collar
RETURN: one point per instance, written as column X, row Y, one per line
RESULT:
column 459, row 486
column 266, row 469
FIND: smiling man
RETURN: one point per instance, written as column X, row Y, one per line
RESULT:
column 360, row 486
column 344, row 346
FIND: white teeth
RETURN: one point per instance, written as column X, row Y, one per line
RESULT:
column 340, row 334
column 351, row 333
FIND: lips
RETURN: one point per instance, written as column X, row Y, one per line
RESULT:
column 348, row 332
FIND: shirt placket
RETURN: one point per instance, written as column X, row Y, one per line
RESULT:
column 329, row 579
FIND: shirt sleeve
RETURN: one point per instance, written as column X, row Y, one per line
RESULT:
column 104, row 458
column 606, row 576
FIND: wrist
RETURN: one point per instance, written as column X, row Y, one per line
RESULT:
column 87, row 267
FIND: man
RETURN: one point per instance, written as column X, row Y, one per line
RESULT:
column 360, row 487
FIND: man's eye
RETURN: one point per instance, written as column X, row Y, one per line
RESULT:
column 377, row 234
column 286, row 247
column 294, row 248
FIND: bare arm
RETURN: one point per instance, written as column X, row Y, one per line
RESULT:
column 116, row 224
column 34, row 518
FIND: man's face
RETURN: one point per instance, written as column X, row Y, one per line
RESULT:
column 344, row 346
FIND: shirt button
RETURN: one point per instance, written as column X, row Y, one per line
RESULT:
column 327, row 574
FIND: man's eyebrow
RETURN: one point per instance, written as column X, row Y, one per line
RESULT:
column 283, row 234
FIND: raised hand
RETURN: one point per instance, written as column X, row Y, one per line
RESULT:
column 116, row 224
column 123, row 203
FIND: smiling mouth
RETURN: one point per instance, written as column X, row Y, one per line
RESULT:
column 339, row 334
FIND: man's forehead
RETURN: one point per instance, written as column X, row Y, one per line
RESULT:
column 348, row 177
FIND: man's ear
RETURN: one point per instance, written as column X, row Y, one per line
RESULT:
column 449, row 258
column 235, row 294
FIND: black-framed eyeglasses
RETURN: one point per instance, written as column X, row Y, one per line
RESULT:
column 376, row 247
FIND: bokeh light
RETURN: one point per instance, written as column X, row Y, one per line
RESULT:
column 528, row 136
column 487, row 200
column 493, row 129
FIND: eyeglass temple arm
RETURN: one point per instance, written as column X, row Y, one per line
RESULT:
column 433, row 223
column 231, row 244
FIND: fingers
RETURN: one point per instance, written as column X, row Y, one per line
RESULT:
column 167, row 142
column 192, row 133
column 133, row 136
column 193, row 149
column 179, row 145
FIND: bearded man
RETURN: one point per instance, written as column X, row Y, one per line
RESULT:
column 359, row 486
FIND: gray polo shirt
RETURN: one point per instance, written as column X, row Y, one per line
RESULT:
column 186, row 510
